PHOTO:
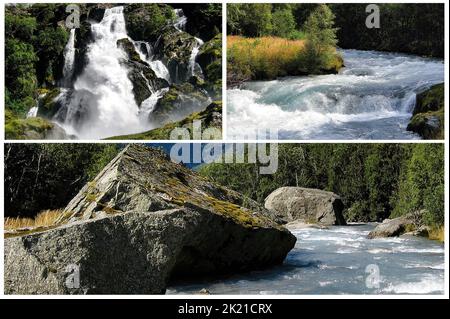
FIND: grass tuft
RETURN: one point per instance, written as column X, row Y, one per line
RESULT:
column 437, row 233
column 43, row 219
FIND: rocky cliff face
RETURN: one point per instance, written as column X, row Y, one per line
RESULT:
column 140, row 222
column 306, row 205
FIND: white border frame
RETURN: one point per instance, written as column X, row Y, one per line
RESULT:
column 224, row 121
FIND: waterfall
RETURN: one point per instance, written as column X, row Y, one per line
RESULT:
column 180, row 20
column 194, row 67
column 149, row 104
column 69, row 59
column 409, row 102
column 145, row 52
column 180, row 25
column 102, row 103
column 32, row 112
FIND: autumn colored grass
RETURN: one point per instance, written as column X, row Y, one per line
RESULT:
column 437, row 233
column 263, row 58
column 268, row 58
column 43, row 219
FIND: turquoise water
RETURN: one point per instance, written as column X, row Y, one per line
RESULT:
column 341, row 260
column 371, row 98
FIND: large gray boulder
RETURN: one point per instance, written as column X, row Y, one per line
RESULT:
column 397, row 226
column 142, row 221
column 306, row 205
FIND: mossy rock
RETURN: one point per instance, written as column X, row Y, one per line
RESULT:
column 210, row 60
column 47, row 106
column 429, row 125
column 126, row 45
column 145, row 22
column 428, row 115
column 140, row 73
column 211, row 117
column 430, row 100
column 210, row 52
column 174, row 48
column 23, row 129
column 178, row 102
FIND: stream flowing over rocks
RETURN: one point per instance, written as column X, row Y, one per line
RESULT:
column 340, row 260
column 372, row 97
column 142, row 222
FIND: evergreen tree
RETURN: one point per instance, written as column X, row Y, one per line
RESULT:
column 320, row 38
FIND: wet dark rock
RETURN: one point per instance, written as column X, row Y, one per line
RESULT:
column 178, row 102
column 140, row 73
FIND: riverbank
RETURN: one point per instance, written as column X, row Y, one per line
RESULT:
column 335, row 261
column 268, row 58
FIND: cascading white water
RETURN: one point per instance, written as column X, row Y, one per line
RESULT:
column 32, row 112
column 102, row 103
column 180, row 25
column 148, row 105
column 194, row 67
column 157, row 66
column 371, row 98
column 180, row 20
column 69, row 59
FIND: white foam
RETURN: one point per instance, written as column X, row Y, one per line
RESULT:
column 425, row 286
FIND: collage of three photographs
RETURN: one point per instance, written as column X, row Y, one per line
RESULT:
column 225, row 149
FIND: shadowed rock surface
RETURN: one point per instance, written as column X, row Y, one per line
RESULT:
column 306, row 205
column 140, row 222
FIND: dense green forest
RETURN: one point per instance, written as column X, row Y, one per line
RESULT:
column 47, row 176
column 375, row 181
column 410, row 28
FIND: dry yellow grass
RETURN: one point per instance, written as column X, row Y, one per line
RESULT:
column 43, row 219
column 265, row 57
column 271, row 48
column 437, row 233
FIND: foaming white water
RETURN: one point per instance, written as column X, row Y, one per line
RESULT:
column 428, row 284
column 32, row 112
column 180, row 20
column 371, row 98
column 102, row 103
column 157, row 66
column 148, row 105
column 334, row 261
column 69, row 59
column 194, row 67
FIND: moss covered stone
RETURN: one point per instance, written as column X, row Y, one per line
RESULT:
column 29, row 128
column 210, row 60
column 178, row 102
column 145, row 22
column 141, row 75
column 428, row 115
column 48, row 106
column 211, row 117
